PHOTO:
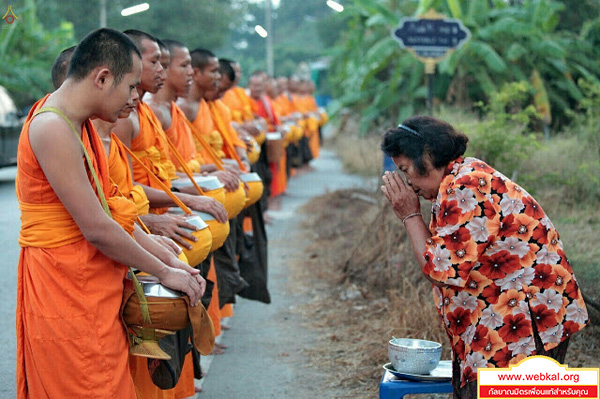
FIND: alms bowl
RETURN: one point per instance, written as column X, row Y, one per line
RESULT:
column 414, row 356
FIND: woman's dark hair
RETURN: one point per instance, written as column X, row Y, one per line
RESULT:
column 421, row 137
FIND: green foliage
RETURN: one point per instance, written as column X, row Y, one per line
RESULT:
column 510, row 42
column 570, row 164
column 27, row 51
column 369, row 72
column 196, row 23
column 504, row 139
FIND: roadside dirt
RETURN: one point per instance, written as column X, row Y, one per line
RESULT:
column 366, row 288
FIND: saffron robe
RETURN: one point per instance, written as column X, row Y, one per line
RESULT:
column 240, row 104
column 181, row 136
column 264, row 108
column 306, row 104
column 150, row 147
column 221, row 116
column 71, row 342
column 120, row 174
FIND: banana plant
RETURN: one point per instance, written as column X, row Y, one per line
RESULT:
column 27, row 51
column 509, row 43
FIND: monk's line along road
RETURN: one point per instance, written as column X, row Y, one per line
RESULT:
column 264, row 358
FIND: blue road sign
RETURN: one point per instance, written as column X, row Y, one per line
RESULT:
column 431, row 38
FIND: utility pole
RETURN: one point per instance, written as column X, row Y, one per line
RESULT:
column 103, row 13
column 269, row 26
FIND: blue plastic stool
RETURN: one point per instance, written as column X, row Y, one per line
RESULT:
column 388, row 164
column 392, row 387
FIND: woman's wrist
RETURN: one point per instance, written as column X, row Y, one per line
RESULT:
column 410, row 215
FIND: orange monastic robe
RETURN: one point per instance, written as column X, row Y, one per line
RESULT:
column 239, row 103
column 307, row 104
column 120, row 173
column 221, row 116
column 151, row 147
column 214, row 307
column 206, row 127
column 71, row 342
column 264, row 108
column 145, row 388
column 182, row 138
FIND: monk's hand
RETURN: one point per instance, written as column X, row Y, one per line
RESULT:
column 247, row 139
column 252, row 129
column 230, row 181
column 232, row 168
column 189, row 281
column 403, row 199
column 167, row 243
column 173, row 226
column 246, row 163
column 206, row 204
column 177, row 263
column 208, row 168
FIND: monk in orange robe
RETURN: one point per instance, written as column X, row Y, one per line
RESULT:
column 68, row 314
column 306, row 104
column 120, row 174
column 252, row 218
column 174, row 121
column 139, row 132
column 263, row 107
column 239, row 102
column 200, row 110
column 170, row 116
column 244, row 120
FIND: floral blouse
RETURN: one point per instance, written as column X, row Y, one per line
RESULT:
column 504, row 268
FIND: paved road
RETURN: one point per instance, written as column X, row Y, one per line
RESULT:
column 264, row 358
column 9, row 251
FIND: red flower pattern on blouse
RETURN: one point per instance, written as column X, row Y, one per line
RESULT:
column 499, row 256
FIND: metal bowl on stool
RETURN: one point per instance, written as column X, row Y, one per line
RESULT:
column 415, row 356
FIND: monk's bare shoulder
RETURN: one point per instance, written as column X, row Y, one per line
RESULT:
column 49, row 133
column 188, row 108
column 162, row 112
column 124, row 129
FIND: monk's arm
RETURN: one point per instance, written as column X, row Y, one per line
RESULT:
column 187, row 109
column 124, row 129
column 160, row 199
column 243, row 157
column 162, row 253
column 162, row 115
column 60, row 156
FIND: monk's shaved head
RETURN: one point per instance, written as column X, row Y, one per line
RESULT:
column 172, row 45
column 138, row 38
column 161, row 45
column 103, row 47
column 226, row 68
column 201, row 58
column 60, row 67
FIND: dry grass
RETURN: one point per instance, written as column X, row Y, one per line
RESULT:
column 366, row 285
column 361, row 299
column 359, row 155
column 367, row 288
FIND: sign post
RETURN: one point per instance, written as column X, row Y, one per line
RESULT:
column 431, row 37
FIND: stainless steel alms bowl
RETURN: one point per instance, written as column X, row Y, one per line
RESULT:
column 414, row 356
column 153, row 288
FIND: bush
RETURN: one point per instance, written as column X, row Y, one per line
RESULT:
column 569, row 165
column 504, row 137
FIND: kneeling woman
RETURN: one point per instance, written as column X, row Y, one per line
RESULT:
column 502, row 283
